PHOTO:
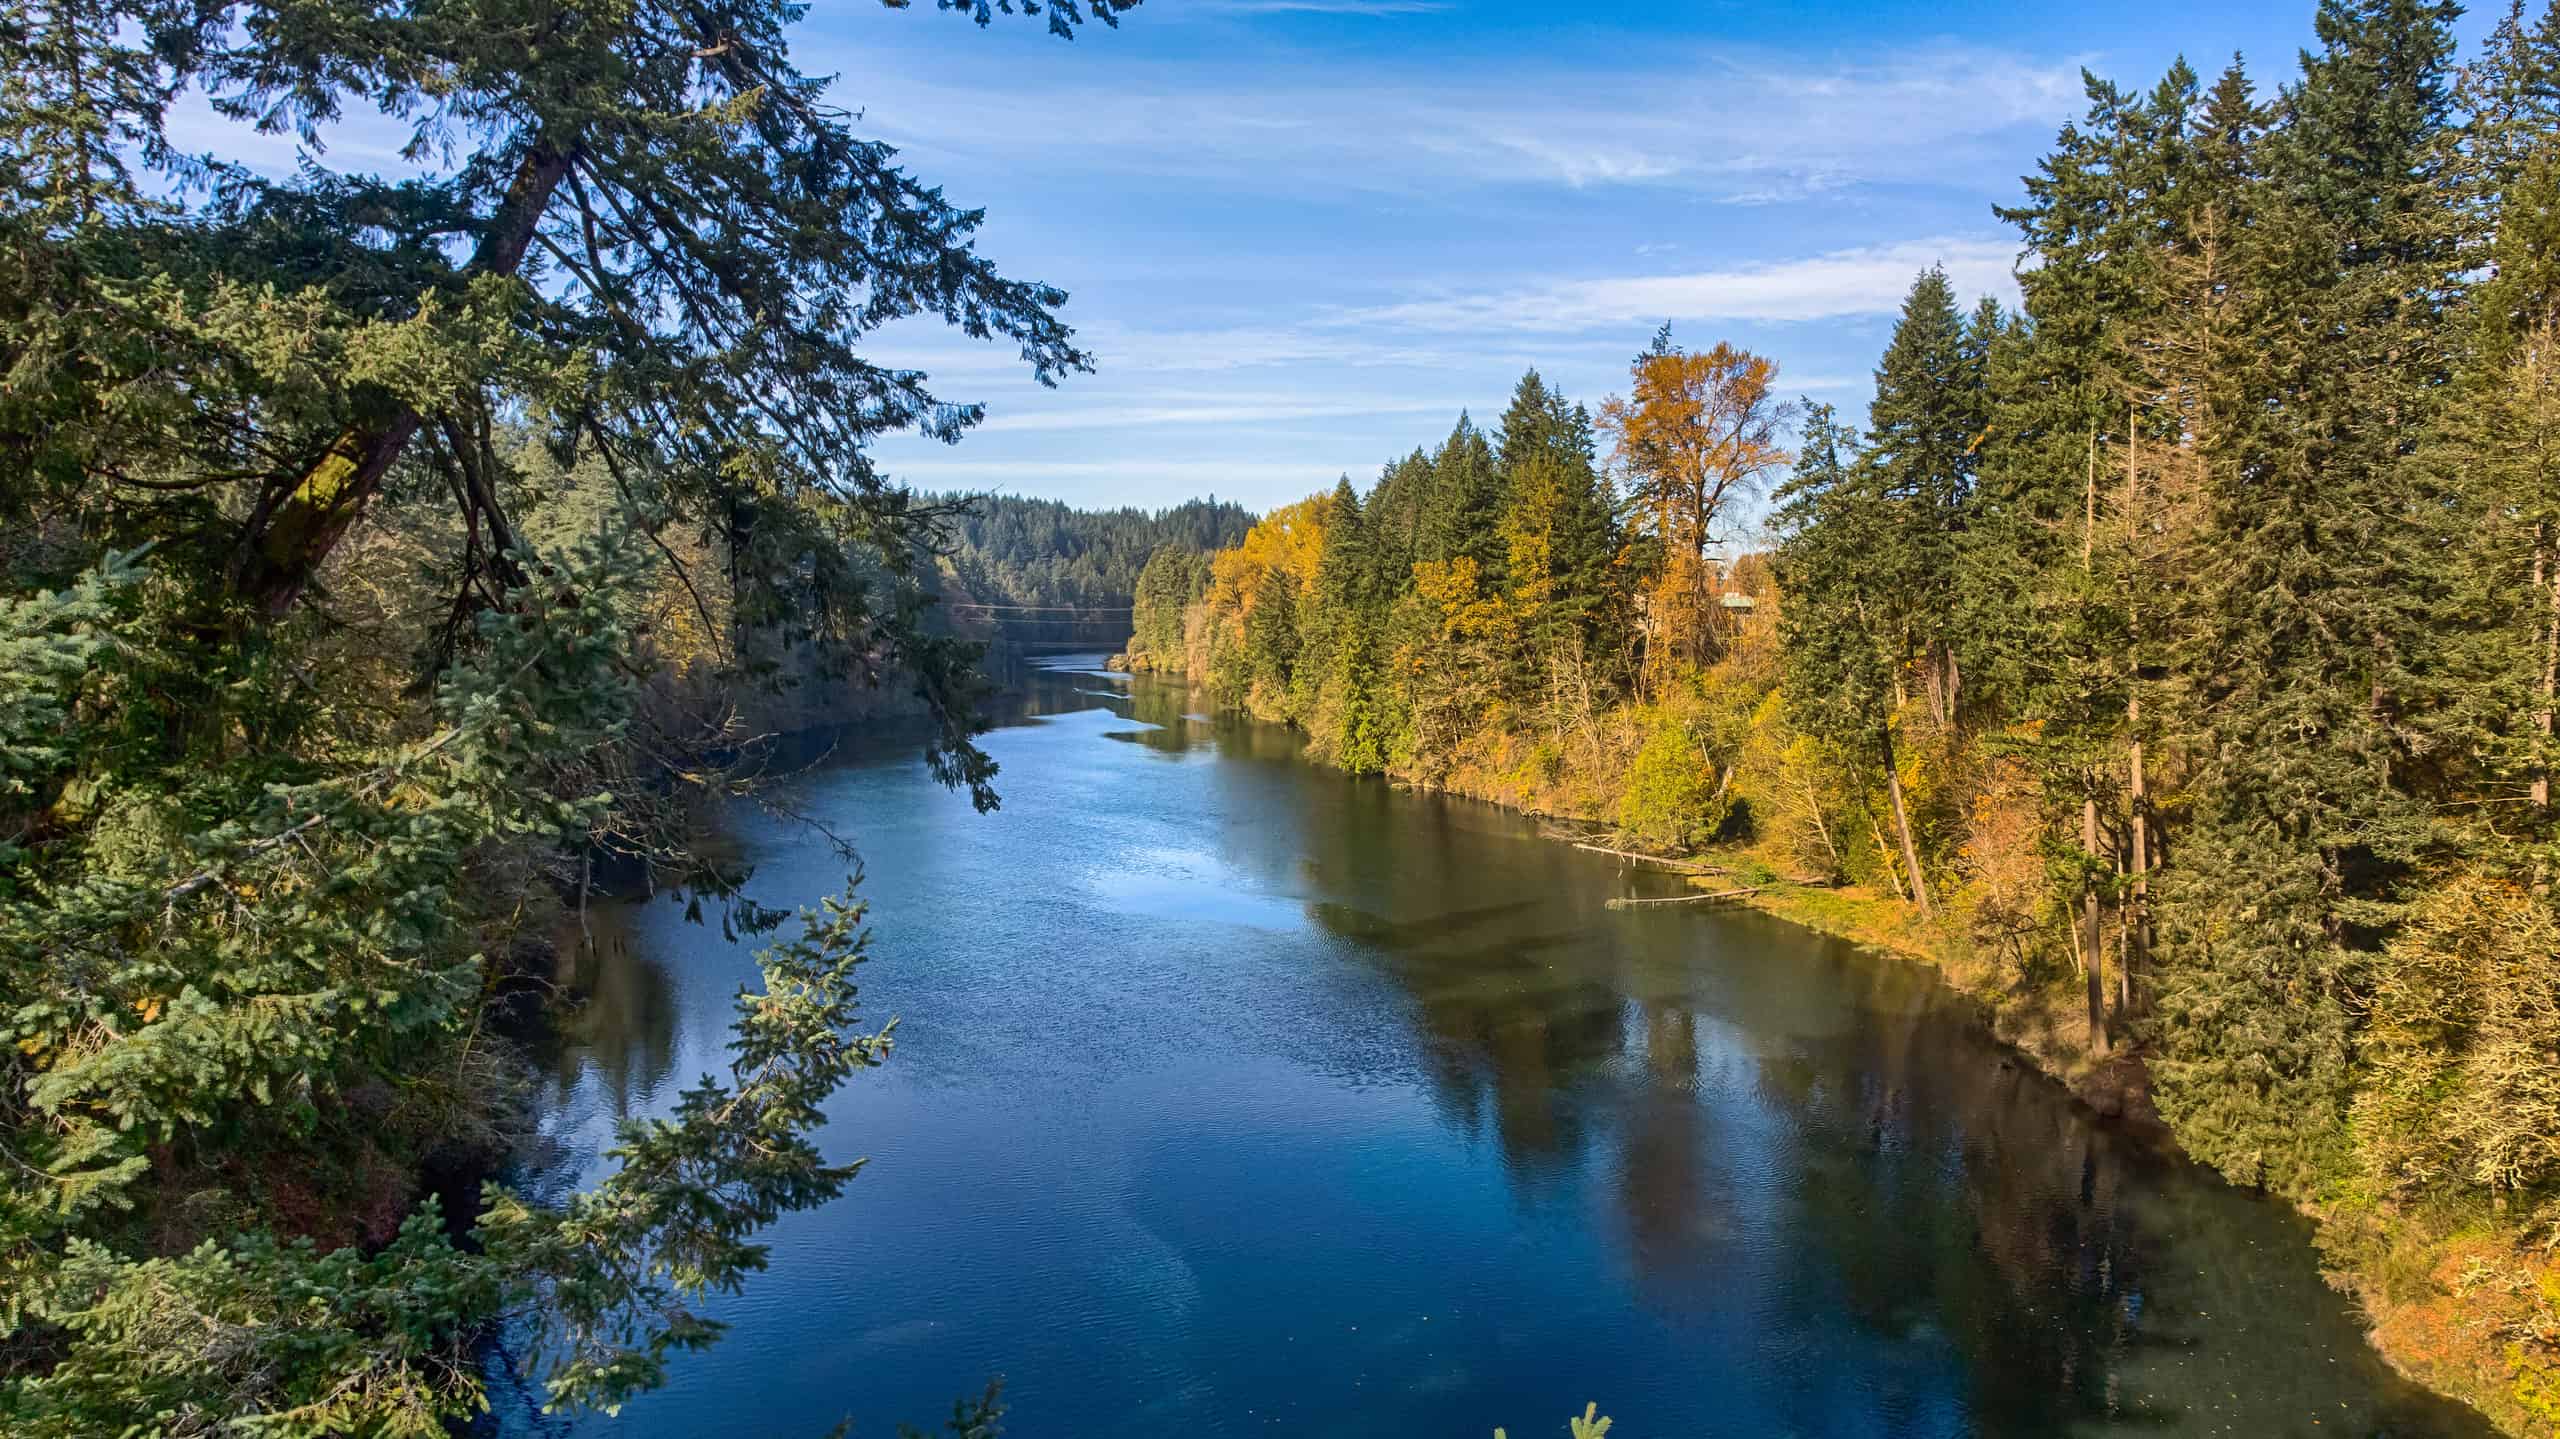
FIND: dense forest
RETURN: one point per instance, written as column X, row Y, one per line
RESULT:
column 1023, row 572
column 386, row 556
column 2175, row 659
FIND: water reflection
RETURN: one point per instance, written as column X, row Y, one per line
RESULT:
column 1237, row 1096
column 625, row 1024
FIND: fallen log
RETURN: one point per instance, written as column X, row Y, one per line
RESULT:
column 1690, row 866
column 1741, row 893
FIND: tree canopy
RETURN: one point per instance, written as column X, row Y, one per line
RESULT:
column 388, row 553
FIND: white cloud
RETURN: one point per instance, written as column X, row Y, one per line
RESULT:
column 1202, row 475
column 1226, row 412
column 1748, row 126
column 1843, row 283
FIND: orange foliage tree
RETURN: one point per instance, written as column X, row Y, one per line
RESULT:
column 1698, row 432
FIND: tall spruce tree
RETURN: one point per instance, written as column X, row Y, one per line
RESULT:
column 2499, row 448
column 2316, row 665
column 1395, row 508
column 1925, row 429
column 2093, row 212
column 1339, row 665
column 1460, row 513
column 1560, row 540
column 1271, row 636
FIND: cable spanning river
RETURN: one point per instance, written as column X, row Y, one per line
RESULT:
column 1233, row 1096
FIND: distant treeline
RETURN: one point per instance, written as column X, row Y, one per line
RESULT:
column 1041, row 572
column 2178, row 657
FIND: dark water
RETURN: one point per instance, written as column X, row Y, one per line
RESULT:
column 1236, row 1097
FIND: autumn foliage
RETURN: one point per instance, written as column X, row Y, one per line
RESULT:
column 1697, row 433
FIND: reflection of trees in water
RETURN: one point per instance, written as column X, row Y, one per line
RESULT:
column 1931, row 1209
column 626, row 1024
column 2080, row 1277
column 1503, row 1029
column 1678, row 1215
column 1530, row 997
column 1484, row 943
column 1944, row 1187
column 1168, row 717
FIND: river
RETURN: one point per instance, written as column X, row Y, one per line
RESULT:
column 1233, row 1096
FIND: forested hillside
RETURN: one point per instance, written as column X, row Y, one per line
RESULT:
column 2175, row 659
column 384, row 556
column 1031, row 572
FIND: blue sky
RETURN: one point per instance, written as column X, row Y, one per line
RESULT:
column 1301, row 234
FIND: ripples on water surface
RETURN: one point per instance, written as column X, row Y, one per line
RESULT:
column 1236, row 1097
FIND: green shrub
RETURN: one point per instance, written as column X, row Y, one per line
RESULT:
column 1673, row 798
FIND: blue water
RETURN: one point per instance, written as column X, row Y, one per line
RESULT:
column 1233, row 1096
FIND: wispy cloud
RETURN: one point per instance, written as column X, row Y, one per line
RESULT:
column 1843, row 283
column 1228, row 410
column 1744, row 126
column 1190, row 476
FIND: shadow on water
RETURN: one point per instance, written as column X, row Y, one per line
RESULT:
column 1238, row 1096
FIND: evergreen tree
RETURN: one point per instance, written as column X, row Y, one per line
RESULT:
column 2315, row 661
column 1559, row 541
column 1395, row 508
column 1541, row 421
column 1340, row 660
column 347, row 518
column 1174, row 579
column 1833, row 520
column 1459, row 516
column 1271, row 636
column 1925, row 427
column 2497, row 453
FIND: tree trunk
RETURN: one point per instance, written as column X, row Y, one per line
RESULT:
column 1813, row 806
column 2137, row 918
column 1884, row 854
column 2093, row 955
column 299, row 521
column 2137, row 914
column 1902, row 823
column 2089, row 509
column 2544, row 578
